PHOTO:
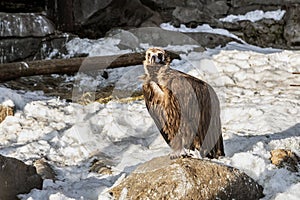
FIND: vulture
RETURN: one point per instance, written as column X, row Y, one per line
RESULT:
column 185, row 109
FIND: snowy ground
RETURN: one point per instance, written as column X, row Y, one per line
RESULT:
column 260, row 112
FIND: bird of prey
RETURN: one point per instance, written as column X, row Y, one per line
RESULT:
column 185, row 109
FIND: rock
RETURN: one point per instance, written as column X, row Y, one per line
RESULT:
column 30, row 48
column 218, row 8
column 186, row 178
column 22, row 6
column 160, row 37
column 164, row 8
column 15, row 49
column 83, row 9
column 5, row 111
column 102, row 166
column 119, row 13
column 244, row 6
column 17, row 178
column 211, row 40
column 25, row 25
column 164, row 4
column 285, row 158
column 292, row 26
column 44, row 169
column 53, row 46
column 188, row 15
column 263, row 33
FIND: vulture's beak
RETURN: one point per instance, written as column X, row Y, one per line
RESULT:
column 153, row 59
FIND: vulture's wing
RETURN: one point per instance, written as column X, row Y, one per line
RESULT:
column 200, row 113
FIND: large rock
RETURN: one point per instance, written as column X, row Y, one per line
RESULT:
column 264, row 33
column 292, row 27
column 285, row 158
column 15, row 49
column 162, row 178
column 5, row 111
column 118, row 13
column 17, row 178
column 25, row 25
column 14, row 6
column 83, row 9
column 186, row 15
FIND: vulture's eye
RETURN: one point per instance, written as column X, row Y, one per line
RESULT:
column 159, row 56
column 148, row 55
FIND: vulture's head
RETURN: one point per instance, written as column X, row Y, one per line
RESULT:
column 156, row 55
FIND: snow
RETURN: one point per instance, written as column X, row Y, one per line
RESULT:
column 205, row 28
column 255, row 15
column 102, row 46
column 260, row 112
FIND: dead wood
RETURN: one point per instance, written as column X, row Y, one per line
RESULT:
column 11, row 71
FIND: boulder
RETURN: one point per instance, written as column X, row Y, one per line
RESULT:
column 5, row 111
column 264, row 33
column 44, row 169
column 218, row 8
column 22, row 6
column 186, row 178
column 292, row 26
column 17, row 178
column 210, row 40
column 285, row 158
column 14, row 49
column 118, row 13
column 25, row 25
column 83, row 9
column 194, row 16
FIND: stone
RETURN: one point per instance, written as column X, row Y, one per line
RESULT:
column 102, row 166
column 22, row 5
column 44, row 169
column 285, row 158
column 83, row 9
column 186, row 178
column 292, row 26
column 16, row 49
column 32, row 48
column 187, row 15
column 17, row 178
column 5, row 111
column 211, row 40
column 218, row 8
column 263, row 33
column 164, row 4
column 25, row 25
column 119, row 13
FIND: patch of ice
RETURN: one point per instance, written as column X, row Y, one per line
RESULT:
column 100, row 47
column 205, row 28
column 253, row 165
column 292, row 193
column 8, row 103
column 256, row 15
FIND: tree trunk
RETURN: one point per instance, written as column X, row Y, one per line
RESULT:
column 10, row 71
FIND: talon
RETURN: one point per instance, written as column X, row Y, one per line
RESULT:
column 178, row 154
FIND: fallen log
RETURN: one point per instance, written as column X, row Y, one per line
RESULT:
column 11, row 71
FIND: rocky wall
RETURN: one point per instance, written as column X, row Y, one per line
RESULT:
column 27, row 35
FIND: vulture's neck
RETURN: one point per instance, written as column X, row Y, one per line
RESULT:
column 153, row 71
